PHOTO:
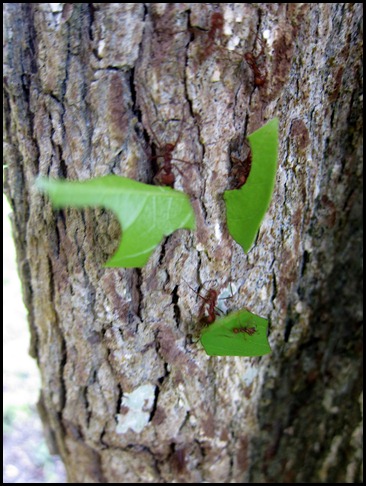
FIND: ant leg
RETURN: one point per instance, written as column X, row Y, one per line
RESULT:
column 258, row 38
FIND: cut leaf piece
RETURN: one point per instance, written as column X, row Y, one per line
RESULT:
column 246, row 207
column 146, row 213
column 240, row 333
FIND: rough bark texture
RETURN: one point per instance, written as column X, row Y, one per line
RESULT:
column 88, row 89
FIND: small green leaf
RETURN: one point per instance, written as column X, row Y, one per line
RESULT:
column 238, row 334
column 246, row 207
column 146, row 213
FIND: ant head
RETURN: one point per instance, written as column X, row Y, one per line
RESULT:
column 248, row 56
column 258, row 81
column 212, row 294
column 169, row 147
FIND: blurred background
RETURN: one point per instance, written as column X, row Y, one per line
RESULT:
column 25, row 458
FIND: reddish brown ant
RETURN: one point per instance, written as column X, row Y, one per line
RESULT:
column 208, row 310
column 164, row 175
column 260, row 73
column 251, row 59
column 246, row 330
column 240, row 170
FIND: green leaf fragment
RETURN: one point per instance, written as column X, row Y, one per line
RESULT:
column 219, row 339
column 246, row 207
column 146, row 213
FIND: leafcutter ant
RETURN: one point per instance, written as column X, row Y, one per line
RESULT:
column 259, row 72
column 260, row 75
column 164, row 175
column 245, row 330
column 240, row 170
column 208, row 309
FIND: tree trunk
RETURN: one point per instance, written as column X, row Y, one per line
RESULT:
column 128, row 394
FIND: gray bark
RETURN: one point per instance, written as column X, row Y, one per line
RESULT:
column 88, row 88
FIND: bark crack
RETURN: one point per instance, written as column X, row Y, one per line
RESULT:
column 138, row 295
column 155, row 403
column 175, row 300
column 62, row 345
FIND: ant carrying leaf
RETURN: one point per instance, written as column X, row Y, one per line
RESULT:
column 246, row 207
column 225, row 336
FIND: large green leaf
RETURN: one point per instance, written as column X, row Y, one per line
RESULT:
column 246, row 207
column 146, row 213
column 238, row 334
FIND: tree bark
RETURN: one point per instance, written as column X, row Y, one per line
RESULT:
column 128, row 394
